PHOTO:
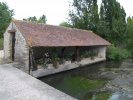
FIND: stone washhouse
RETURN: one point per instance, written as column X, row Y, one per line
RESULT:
column 26, row 42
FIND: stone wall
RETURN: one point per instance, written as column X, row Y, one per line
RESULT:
column 102, row 51
column 7, row 44
column 21, row 48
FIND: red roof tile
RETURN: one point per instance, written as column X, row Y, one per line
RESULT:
column 49, row 35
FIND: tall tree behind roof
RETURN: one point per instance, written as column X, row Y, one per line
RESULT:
column 112, row 25
column 130, row 32
column 42, row 19
column 84, row 14
column 65, row 24
column 33, row 19
column 5, row 17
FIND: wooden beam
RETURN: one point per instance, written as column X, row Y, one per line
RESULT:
column 32, row 63
column 29, row 61
column 12, row 31
column 77, row 54
column 62, row 53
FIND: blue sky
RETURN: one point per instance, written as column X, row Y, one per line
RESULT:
column 56, row 11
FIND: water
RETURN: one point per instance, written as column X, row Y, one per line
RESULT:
column 102, row 81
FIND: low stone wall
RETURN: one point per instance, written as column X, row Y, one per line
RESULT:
column 17, row 85
column 64, row 67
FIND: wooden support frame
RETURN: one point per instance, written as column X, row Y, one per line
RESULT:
column 29, row 61
column 32, row 63
column 12, row 31
column 62, row 52
column 77, row 54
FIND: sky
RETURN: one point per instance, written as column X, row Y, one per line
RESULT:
column 56, row 11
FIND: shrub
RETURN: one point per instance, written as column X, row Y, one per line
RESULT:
column 85, row 54
column 125, row 54
column 115, row 53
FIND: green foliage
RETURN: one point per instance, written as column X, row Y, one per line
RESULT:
column 130, row 33
column 5, row 17
column 42, row 19
column 85, row 54
column 125, row 54
column 55, row 57
column 65, row 24
column 39, row 61
column 115, row 53
column 33, row 19
column 84, row 14
column 112, row 24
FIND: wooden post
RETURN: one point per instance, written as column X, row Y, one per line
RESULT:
column 32, row 62
column 77, row 54
column 62, row 52
column 29, row 60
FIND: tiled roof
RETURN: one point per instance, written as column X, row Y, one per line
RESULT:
column 50, row 36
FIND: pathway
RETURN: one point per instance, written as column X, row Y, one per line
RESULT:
column 17, row 85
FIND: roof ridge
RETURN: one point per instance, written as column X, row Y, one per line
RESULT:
column 43, row 34
column 52, row 25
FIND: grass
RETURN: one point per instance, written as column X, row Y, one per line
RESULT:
column 78, row 87
column 1, row 43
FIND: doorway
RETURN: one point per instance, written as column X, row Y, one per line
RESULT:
column 13, row 46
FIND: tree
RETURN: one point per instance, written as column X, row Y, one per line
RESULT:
column 130, row 32
column 33, row 19
column 5, row 17
column 112, row 24
column 84, row 14
column 65, row 24
column 42, row 19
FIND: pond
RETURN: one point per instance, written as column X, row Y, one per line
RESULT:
column 101, row 81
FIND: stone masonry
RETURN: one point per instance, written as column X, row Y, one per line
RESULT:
column 21, row 48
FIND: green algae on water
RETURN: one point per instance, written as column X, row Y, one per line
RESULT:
column 79, row 86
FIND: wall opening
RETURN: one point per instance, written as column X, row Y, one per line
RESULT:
column 13, row 39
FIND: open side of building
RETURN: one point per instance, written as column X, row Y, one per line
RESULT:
column 29, row 43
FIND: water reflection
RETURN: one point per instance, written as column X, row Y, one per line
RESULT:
column 119, row 96
column 112, row 77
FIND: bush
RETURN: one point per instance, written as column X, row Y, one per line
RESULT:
column 115, row 53
column 85, row 54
